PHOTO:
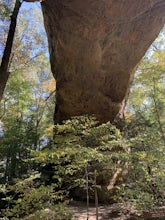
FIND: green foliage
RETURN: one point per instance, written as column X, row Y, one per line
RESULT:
column 145, row 130
column 37, row 173
column 27, row 106
column 59, row 212
column 5, row 9
column 145, row 179
column 30, row 200
column 80, row 144
column 26, row 112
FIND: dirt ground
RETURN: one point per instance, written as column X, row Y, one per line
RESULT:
column 106, row 212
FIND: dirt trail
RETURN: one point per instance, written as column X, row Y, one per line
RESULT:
column 106, row 212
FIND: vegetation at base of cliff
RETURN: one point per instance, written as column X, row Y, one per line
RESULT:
column 81, row 144
column 39, row 173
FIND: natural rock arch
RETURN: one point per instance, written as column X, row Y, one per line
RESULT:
column 95, row 46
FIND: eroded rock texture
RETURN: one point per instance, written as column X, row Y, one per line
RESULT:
column 95, row 46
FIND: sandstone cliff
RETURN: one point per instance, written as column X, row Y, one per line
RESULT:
column 95, row 46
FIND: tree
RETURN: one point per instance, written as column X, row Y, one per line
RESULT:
column 4, row 68
column 84, row 151
column 145, row 130
column 147, row 92
column 26, row 113
column 6, row 58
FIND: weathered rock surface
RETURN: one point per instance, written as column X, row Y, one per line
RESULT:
column 95, row 46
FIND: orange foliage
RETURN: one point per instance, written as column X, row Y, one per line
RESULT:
column 49, row 85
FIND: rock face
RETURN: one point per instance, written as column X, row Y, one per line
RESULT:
column 95, row 46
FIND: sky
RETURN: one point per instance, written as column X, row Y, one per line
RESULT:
column 28, row 5
column 33, row 22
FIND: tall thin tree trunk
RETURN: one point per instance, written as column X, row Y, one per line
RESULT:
column 96, row 197
column 87, row 191
column 4, row 72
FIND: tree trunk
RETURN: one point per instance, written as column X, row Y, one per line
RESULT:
column 4, row 73
column 95, row 46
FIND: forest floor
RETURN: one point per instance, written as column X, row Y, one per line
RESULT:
column 106, row 212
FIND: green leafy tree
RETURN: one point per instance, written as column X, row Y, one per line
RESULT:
column 82, row 145
column 146, row 130
column 28, row 99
